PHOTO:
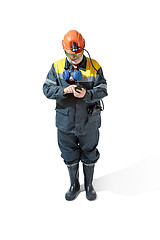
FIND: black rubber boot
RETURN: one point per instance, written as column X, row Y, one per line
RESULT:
column 88, row 178
column 75, row 186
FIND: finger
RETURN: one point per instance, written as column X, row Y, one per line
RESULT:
column 78, row 95
column 69, row 90
column 78, row 91
column 75, row 94
column 73, row 88
column 82, row 90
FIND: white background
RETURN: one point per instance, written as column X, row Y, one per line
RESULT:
column 123, row 36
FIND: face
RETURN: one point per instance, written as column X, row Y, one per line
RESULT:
column 75, row 59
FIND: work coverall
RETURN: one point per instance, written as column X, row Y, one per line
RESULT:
column 78, row 131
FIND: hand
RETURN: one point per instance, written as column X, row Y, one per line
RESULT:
column 69, row 89
column 79, row 93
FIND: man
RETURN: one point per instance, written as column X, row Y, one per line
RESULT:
column 78, row 85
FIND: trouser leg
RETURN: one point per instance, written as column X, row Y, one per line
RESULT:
column 88, row 145
column 89, row 156
column 74, row 148
column 68, row 144
column 70, row 152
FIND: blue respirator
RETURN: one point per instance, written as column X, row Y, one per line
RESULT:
column 71, row 74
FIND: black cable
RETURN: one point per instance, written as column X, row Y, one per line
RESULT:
column 89, row 58
column 101, row 101
column 92, row 62
column 75, row 48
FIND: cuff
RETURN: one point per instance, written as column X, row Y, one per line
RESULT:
column 61, row 96
column 88, row 96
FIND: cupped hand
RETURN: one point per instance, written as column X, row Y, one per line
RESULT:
column 79, row 93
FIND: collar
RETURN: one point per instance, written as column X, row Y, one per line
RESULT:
column 81, row 65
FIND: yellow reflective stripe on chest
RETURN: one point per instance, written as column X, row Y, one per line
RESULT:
column 90, row 71
column 59, row 65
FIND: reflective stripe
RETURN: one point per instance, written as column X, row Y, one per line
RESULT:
column 102, row 85
column 50, row 81
column 88, row 79
column 59, row 65
column 59, row 75
column 90, row 71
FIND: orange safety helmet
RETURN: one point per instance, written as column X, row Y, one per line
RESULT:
column 69, row 38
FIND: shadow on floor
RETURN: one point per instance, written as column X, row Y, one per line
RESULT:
column 139, row 178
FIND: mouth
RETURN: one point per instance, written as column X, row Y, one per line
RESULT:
column 75, row 59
